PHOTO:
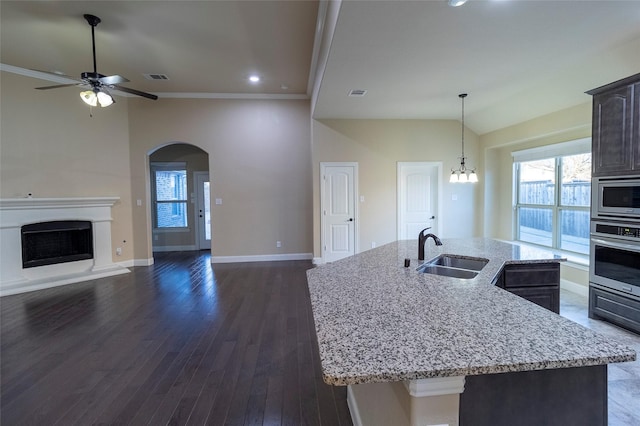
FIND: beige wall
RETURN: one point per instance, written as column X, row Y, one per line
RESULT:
column 261, row 161
column 196, row 160
column 562, row 126
column 51, row 147
column 259, row 165
column 377, row 146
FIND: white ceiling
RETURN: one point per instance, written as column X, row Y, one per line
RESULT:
column 517, row 59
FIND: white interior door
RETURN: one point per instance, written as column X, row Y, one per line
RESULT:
column 203, row 210
column 418, row 188
column 338, row 204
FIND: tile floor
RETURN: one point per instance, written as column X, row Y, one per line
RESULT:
column 624, row 378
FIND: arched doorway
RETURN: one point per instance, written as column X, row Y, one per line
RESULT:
column 179, row 193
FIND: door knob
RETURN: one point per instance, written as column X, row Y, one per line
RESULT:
column 350, row 219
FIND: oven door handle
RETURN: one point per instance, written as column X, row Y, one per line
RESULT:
column 609, row 243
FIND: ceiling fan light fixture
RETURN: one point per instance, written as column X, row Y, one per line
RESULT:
column 89, row 97
column 98, row 83
column 97, row 97
column 104, row 98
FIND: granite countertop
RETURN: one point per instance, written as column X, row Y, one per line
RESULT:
column 377, row 321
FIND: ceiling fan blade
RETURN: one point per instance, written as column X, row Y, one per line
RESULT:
column 112, row 79
column 59, row 86
column 54, row 74
column 135, row 92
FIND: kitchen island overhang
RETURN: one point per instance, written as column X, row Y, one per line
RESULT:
column 379, row 322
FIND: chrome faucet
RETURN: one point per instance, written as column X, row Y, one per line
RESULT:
column 422, row 239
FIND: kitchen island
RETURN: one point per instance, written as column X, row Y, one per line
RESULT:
column 417, row 348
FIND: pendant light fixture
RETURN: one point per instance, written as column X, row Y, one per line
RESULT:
column 462, row 174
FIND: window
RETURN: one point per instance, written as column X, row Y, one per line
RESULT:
column 169, row 182
column 553, row 197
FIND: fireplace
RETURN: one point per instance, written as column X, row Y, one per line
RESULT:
column 48, row 243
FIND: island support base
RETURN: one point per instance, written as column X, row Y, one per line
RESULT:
column 564, row 396
column 416, row 402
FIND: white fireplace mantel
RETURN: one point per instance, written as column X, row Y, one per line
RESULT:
column 16, row 212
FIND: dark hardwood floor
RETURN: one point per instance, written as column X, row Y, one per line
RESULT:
column 180, row 342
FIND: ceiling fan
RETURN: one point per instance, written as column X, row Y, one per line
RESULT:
column 97, row 83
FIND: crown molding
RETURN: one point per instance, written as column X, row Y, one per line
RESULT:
column 198, row 95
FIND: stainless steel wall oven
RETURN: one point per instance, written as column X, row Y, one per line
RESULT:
column 614, row 273
column 615, row 256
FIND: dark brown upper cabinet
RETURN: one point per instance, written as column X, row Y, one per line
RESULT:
column 616, row 128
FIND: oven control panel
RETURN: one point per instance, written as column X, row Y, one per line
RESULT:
column 622, row 231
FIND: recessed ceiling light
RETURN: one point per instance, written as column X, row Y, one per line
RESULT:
column 456, row 3
column 254, row 78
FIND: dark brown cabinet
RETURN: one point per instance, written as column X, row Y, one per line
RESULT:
column 615, row 128
column 537, row 282
column 614, row 307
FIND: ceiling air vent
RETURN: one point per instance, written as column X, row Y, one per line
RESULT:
column 156, row 76
column 357, row 92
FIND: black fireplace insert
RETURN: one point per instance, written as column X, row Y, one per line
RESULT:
column 48, row 243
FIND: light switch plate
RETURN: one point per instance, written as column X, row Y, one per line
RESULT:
column 218, row 201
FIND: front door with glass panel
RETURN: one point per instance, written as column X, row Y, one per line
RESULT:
column 203, row 210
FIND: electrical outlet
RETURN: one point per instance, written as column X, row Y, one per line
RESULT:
column 118, row 251
column 278, row 244
column 373, row 244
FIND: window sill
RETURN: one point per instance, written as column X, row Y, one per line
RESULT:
column 576, row 260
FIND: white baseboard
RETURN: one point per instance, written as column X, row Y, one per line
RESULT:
column 136, row 262
column 573, row 287
column 125, row 263
column 261, row 258
column 175, row 248
column 143, row 262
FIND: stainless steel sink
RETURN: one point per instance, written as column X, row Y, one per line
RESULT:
column 471, row 263
column 448, row 272
column 454, row 266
